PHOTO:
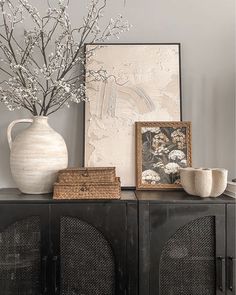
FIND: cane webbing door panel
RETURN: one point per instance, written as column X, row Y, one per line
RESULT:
column 187, row 264
column 90, row 242
column 22, row 243
column 187, row 249
column 86, row 259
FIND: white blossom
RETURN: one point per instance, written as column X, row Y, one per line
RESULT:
column 158, row 165
column 151, row 129
column 184, row 162
column 176, row 154
column 171, row 168
column 150, row 176
column 45, row 71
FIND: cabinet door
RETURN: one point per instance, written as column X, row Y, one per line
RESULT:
column 186, row 247
column 23, row 249
column 90, row 245
column 231, row 249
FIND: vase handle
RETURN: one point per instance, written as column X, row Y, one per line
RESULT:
column 9, row 129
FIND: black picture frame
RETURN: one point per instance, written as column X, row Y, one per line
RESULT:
column 178, row 44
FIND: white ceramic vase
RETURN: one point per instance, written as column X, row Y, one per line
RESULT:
column 204, row 182
column 37, row 154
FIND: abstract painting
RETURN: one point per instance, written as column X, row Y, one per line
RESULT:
column 162, row 148
column 141, row 83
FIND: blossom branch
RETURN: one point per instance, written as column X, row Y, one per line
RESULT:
column 42, row 81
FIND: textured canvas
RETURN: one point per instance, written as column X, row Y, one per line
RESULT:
column 143, row 85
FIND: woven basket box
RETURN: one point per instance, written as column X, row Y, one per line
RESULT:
column 77, row 175
column 88, row 190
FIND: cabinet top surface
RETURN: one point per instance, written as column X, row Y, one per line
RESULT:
column 12, row 195
column 180, row 196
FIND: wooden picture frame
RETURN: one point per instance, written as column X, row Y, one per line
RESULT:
column 161, row 149
column 145, row 85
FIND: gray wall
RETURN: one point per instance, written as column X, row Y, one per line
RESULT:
column 206, row 30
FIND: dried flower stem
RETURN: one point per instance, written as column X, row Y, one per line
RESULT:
column 46, row 71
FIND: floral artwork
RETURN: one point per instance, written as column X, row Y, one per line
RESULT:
column 162, row 149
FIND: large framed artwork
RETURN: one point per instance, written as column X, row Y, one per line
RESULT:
column 142, row 83
column 162, row 148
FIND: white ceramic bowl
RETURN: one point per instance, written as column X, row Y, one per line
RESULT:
column 209, row 182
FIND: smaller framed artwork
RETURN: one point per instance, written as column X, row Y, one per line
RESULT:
column 162, row 148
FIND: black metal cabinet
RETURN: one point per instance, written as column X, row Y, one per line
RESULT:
column 186, row 244
column 68, row 247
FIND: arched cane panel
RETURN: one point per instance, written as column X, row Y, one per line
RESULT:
column 187, row 263
column 20, row 258
column 87, row 262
